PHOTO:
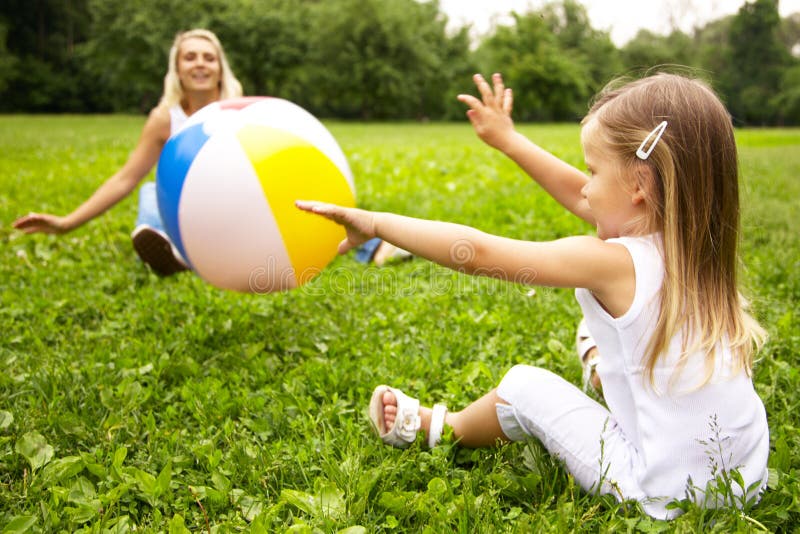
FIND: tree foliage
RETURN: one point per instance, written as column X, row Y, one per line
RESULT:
column 381, row 59
column 38, row 66
column 648, row 49
column 554, row 59
column 267, row 42
column 761, row 60
column 373, row 59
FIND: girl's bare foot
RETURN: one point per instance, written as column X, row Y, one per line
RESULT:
column 590, row 357
column 386, row 252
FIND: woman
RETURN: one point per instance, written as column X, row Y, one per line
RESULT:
column 198, row 74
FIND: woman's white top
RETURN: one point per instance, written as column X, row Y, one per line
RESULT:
column 684, row 435
column 177, row 118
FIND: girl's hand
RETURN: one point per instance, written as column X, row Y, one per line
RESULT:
column 359, row 224
column 491, row 116
column 42, row 222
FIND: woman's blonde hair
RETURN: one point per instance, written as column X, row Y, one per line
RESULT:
column 229, row 86
column 691, row 183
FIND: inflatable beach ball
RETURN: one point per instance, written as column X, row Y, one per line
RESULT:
column 227, row 182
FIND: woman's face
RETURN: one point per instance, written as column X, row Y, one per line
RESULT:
column 198, row 65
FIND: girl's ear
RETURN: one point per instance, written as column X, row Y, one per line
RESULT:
column 642, row 184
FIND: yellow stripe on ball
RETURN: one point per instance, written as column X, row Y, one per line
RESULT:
column 290, row 168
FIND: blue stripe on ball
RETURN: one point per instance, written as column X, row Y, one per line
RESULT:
column 173, row 166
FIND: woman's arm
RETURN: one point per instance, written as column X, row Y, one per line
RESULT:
column 154, row 134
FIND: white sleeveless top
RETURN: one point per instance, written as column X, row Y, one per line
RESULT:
column 177, row 118
column 668, row 426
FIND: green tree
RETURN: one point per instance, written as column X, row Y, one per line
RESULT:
column 756, row 62
column 647, row 50
column 374, row 59
column 267, row 42
column 8, row 61
column 553, row 59
column 570, row 23
column 790, row 33
column 457, row 67
column 712, row 46
column 787, row 101
column 39, row 69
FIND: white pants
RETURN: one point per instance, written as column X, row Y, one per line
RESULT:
column 571, row 426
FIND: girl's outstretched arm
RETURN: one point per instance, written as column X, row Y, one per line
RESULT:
column 445, row 243
column 491, row 117
column 582, row 261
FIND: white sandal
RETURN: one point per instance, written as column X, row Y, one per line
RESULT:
column 584, row 343
column 407, row 422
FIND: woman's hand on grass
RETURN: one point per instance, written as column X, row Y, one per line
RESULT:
column 359, row 224
column 42, row 222
column 491, row 114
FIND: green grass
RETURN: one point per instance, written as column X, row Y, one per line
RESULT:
column 133, row 402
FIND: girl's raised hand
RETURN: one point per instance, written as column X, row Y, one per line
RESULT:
column 359, row 224
column 491, row 114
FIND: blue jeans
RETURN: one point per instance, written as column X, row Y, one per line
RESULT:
column 365, row 252
column 148, row 207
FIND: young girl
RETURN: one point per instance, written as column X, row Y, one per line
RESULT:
column 197, row 75
column 657, row 287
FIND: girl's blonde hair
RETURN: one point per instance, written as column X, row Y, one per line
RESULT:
column 692, row 201
column 229, row 86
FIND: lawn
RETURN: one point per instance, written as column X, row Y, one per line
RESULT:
column 130, row 402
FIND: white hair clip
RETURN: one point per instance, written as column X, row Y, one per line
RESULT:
column 658, row 131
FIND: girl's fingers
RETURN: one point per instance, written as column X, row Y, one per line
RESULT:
column 335, row 213
column 499, row 89
column 315, row 207
column 470, row 100
column 345, row 246
column 484, row 89
column 495, row 97
column 508, row 101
